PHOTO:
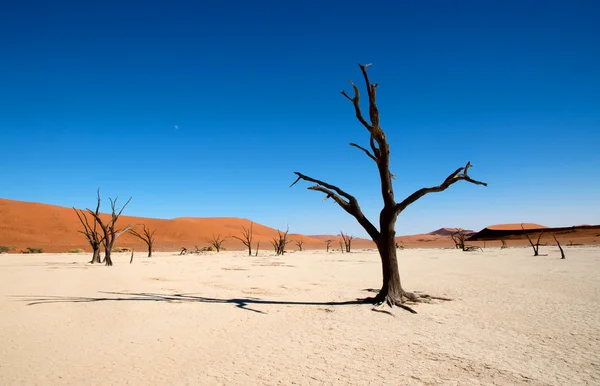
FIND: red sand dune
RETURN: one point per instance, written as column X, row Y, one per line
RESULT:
column 54, row 228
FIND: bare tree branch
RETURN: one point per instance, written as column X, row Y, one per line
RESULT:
column 351, row 206
column 451, row 179
column 146, row 236
column 368, row 153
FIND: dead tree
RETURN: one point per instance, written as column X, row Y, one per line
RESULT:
column 536, row 246
column 562, row 253
column 341, row 245
column 459, row 239
column 347, row 239
column 299, row 244
column 328, row 244
column 280, row 242
column 131, row 258
column 146, row 236
column 91, row 232
column 108, row 228
column 257, row 247
column 183, row 251
column 246, row 238
column 504, row 245
column 391, row 290
column 217, row 242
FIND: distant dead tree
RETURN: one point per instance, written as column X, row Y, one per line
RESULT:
column 91, row 231
column 459, row 239
column 562, row 253
column 391, row 291
column 257, row 247
column 299, row 244
column 347, row 239
column 131, row 258
column 280, row 242
column 342, row 248
column 328, row 244
column 504, row 245
column 147, row 236
column 400, row 245
column 246, row 237
column 536, row 246
column 183, row 251
column 108, row 228
column 217, row 242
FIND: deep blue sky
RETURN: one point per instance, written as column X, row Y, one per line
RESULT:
column 206, row 109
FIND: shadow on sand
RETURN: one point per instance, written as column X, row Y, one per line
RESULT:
column 243, row 303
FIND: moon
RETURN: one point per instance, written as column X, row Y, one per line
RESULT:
column 176, row 127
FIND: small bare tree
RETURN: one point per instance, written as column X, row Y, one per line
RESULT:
column 459, row 239
column 328, row 244
column 108, row 228
column 257, row 247
column 280, row 242
column 391, row 291
column 299, row 244
column 147, row 236
column 217, row 242
column 536, row 246
column 246, row 238
column 347, row 239
column 91, row 231
column 504, row 245
column 562, row 253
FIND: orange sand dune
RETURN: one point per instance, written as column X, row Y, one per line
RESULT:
column 55, row 228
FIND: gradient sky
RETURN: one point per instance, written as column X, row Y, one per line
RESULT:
column 206, row 109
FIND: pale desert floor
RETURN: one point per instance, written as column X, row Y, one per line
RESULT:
column 230, row 319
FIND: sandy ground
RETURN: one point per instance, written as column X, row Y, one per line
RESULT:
column 227, row 319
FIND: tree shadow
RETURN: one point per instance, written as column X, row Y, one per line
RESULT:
column 243, row 303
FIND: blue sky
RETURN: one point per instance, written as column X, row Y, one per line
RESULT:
column 206, row 109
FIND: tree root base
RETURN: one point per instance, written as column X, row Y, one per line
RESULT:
column 402, row 301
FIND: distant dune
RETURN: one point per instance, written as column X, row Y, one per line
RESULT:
column 55, row 229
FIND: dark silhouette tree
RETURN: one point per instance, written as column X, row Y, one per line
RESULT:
column 328, row 244
column 279, row 243
column 299, row 244
column 91, row 231
column 536, row 246
column 109, row 227
column 347, row 240
column 391, row 290
column 246, row 237
column 562, row 253
column 459, row 239
column 217, row 242
column 147, row 236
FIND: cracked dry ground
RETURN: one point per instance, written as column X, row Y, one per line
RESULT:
column 230, row 319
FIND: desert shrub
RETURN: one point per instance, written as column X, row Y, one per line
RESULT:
column 35, row 250
column 76, row 250
column 121, row 249
column 6, row 249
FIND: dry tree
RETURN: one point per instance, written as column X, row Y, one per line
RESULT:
column 91, row 231
column 504, row 245
column 562, row 253
column 536, row 246
column 108, row 228
column 459, row 239
column 299, row 244
column 328, row 244
column 280, row 242
column 217, row 242
column 246, row 238
column 147, row 236
column 391, row 291
column 257, row 248
column 347, row 240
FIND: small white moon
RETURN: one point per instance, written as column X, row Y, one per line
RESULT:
column 176, row 127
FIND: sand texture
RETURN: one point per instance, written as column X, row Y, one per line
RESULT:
column 230, row 319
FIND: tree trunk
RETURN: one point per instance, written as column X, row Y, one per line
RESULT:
column 149, row 249
column 96, row 255
column 391, row 289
